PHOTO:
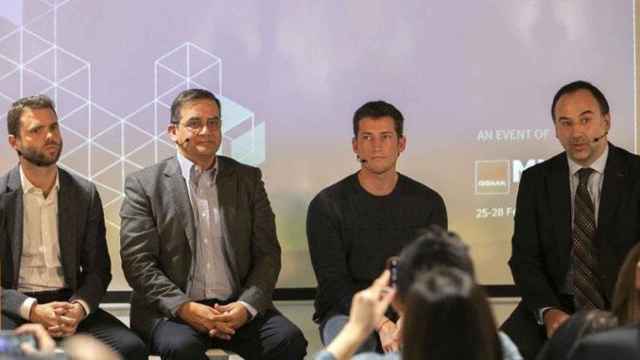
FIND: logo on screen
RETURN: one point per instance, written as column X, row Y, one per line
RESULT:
column 492, row 177
column 495, row 177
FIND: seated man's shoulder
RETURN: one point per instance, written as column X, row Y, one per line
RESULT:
column 148, row 174
column 630, row 160
column 416, row 188
column 337, row 192
column 241, row 169
column 67, row 178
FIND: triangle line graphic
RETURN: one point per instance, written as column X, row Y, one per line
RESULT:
column 140, row 147
column 160, row 59
column 73, row 74
column 4, row 37
column 106, row 150
column 76, row 110
column 138, row 128
column 9, row 74
column 206, row 68
column 37, row 18
column 172, row 71
column 167, row 92
column 134, row 113
column 114, row 200
column 37, row 36
column 85, row 62
column 102, row 171
column 66, row 128
column 9, row 60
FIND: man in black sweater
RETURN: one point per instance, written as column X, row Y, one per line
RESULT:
column 355, row 225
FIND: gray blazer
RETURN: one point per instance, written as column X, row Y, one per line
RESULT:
column 81, row 233
column 158, row 234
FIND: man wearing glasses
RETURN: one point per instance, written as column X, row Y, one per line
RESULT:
column 199, row 247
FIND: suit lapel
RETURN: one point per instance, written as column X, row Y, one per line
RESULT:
column 180, row 193
column 226, row 183
column 612, row 189
column 67, row 228
column 560, row 200
column 14, row 218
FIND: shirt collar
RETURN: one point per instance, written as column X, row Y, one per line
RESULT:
column 186, row 165
column 27, row 186
column 597, row 165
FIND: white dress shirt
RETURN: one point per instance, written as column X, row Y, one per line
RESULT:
column 40, row 263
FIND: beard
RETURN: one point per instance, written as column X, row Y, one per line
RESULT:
column 40, row 158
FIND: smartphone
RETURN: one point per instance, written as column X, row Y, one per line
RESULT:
column 392, row 266
column 10, row 342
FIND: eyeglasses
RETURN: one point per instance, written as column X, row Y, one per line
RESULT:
column 196, row 125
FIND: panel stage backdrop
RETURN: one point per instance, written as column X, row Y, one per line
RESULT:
column 474, row 79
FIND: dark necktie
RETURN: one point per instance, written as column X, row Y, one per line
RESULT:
column 587, row 289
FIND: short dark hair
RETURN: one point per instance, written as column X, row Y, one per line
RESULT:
column 580, row 85
column 378, row 109
column 449, row 317
column 190, row 95
column 17, row 108
column 435, row 247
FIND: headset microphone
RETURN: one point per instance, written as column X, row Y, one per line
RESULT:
column 184, row 142
column 360, row 160
column 600, row 137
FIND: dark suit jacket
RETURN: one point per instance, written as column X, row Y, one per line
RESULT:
column 618, row 344
column 158, row 234
column 541, row 241
column 81, row 233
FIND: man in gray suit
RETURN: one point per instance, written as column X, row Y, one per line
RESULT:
column 199, row 247
column 55, row 263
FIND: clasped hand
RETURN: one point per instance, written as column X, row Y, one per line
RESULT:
column 220, row 321
column 60, row 318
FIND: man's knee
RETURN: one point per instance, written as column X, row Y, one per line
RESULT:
column 132, row 347
column 173, row 343
column 180, row 347
column 293, row 344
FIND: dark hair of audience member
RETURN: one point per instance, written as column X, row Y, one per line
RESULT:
column 449, row 317
column 579, row 325
column 434, row 247
column 626, row 297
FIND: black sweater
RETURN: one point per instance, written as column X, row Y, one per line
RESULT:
column 352, row 233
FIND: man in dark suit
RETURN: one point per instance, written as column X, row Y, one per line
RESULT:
column 55, row 263
column 199, row 247
column 577, row 216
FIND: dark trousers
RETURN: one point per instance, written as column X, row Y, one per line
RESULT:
column 269, row 335
column 99, row 324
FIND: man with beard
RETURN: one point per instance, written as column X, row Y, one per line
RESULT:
column 55, row 262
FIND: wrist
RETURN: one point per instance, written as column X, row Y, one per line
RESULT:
column 182, row 309
column 80, row 309
column 356, row 331
column 32, row 312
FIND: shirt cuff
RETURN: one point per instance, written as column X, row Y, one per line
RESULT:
column 85, row 306
column 252, row 311
column 25, row 308
column 540, row 315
